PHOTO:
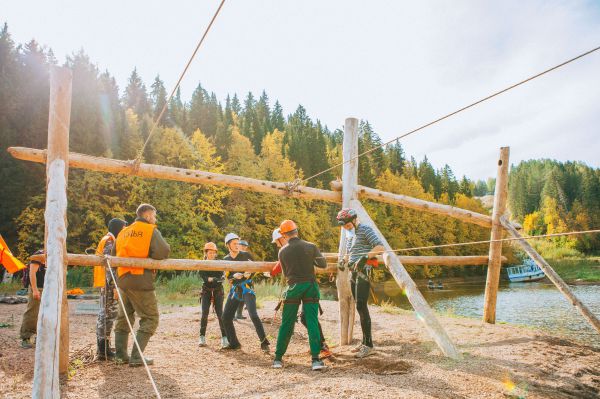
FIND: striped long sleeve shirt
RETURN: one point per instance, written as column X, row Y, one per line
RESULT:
column 365, row 239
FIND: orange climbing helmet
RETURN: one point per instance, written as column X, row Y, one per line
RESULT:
column 287, row 226
column 210, row 246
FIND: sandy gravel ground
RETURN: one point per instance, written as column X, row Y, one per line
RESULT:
column 499, row 361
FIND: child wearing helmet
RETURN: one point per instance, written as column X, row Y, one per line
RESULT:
column 242, row 292
column 212, row 292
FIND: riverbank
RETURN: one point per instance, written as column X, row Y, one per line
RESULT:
column 500, row 361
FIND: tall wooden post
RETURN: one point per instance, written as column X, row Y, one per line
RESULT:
column 349, row 192
column 495, row 257
column 52, row 345
column 419, row 304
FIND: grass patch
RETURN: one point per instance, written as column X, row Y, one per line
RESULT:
column 389, row 307
column 11, row 287
column 582, row 269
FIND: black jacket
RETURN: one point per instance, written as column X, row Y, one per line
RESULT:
column 298, row 260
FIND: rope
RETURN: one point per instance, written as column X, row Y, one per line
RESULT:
column 164, row 108
column 456, row 112
column 571, row 233
column 131, row 328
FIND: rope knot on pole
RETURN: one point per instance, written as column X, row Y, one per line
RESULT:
column 292, row 186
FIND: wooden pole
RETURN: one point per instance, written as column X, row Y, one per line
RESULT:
column 52, row 344
column 422, row 309
column 552, row 275
column 179, row 174
column 420, row 205
column 349, row 185
column 493, row 273
column 254, row 267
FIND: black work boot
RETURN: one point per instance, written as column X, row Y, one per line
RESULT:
column 104, row 351
column 121, row 339
column 135, row 360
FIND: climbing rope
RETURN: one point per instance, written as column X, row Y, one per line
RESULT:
column 138, row 159
column 455, row 112
column 460, row 244
column 108, row 266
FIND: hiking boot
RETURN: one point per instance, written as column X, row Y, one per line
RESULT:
column 357, row 348
column 104, row 352
column 364, row 352
column 121, row 339
column 265, row 345
column 202, row 341
column 135, row 359
column 325, row 352
column 26, row 344
column 230, row 347
column 318, row 365
column 224, row 342
column 277, row 364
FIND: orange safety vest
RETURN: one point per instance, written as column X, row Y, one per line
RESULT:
column 134, row 242
column 10, row 262
column 99, row 272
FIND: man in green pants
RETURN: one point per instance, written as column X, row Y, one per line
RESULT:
column 298, row 260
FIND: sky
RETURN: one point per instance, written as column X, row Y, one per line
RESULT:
column 397, row 64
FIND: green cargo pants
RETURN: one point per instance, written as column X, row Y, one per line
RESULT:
column 308, row 294
column 142, row 303
column 30, row 317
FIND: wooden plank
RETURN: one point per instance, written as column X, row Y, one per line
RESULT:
column 553, row 276
column 52, row 344
column 406, row 201
column 108, row 165
column 346, row 302
column 422, row 309
column 494, row 264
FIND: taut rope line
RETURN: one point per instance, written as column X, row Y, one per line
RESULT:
column 456, row 112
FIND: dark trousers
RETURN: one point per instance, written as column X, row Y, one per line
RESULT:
column 214, row 296
column 360, row 292
column 229, row 313
column 30, row 317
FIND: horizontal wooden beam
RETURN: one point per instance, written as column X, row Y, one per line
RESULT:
column 421, row 205
column 431, row 260
column 175, row 264
column 109, row 165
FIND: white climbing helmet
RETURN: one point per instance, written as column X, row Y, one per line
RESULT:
column 276, row 235
column 231, row 236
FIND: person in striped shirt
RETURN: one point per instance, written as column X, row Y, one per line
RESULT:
column 362, row 246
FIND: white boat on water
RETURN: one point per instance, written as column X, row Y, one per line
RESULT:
column 528, row 271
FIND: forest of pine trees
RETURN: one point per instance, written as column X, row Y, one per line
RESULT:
column 248, row 136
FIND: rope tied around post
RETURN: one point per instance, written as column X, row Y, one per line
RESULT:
column 292, row 186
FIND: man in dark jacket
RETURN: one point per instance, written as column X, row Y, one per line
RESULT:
column 298, row 259
column 139, row 240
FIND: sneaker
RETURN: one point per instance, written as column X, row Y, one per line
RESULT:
column 26, row 344
column 357, row 348
column 318, row 365
column 224, row 342
column 240, row 317
column 265, row 346
column 277, row 364
column 325, row 352
column 364, row 352
column 202, row 341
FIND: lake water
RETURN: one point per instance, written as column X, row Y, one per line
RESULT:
column 536, row 304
